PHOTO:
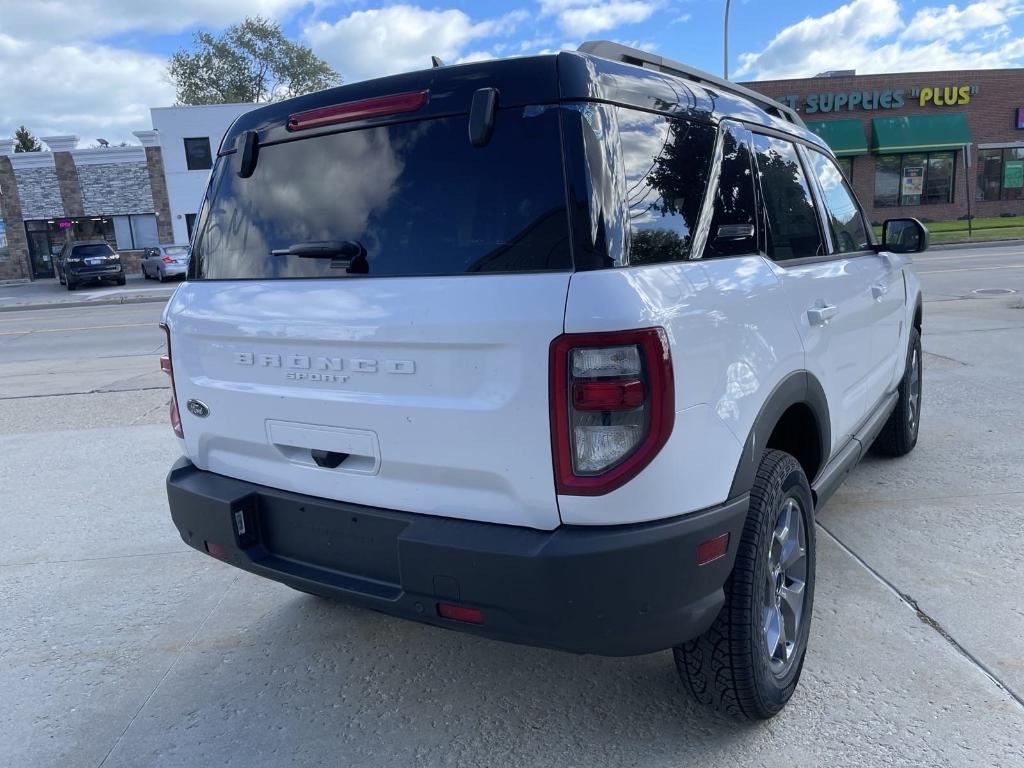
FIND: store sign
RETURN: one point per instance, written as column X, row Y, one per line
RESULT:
column 894, row 98
column 1013, row 174
column 913, row 180
column 64, row 223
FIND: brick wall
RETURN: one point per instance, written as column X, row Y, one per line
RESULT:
column 158, row 190
column 115, row 187
column 991, row 116
column 67, row 179
column 16, row 266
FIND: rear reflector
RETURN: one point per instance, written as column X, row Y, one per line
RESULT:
column 460, row 613
column 357, row 110
column 215, row 549
column 713, row 549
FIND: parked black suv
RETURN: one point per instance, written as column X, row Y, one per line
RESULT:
column 82, row 261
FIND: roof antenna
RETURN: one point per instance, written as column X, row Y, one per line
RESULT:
column 436, row 62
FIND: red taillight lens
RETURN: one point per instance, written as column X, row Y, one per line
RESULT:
column 608, row 395
column 168, row 367
column 712, row 549
column 460, row 613
column 168, row 260
column 357, row 110
column 612, row 407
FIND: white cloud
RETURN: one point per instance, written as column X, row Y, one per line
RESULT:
column 88, row 19
column 862, row 35
column 400, row 38
column 91, row 91
column 585, row 17
column 952, row 23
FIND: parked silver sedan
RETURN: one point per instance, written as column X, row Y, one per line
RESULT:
column 164, row 261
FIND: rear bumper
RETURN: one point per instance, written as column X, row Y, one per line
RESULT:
column 615, row 591
column 95, row 273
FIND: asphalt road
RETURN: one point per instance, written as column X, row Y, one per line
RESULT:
column 119, row 646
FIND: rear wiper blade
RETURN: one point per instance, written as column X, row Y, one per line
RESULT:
column 323, row 249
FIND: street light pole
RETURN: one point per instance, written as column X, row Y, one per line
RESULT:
column 725, row 43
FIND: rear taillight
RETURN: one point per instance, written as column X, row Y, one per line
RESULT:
column 612, row 407
column 168, row 260
column 357, row 110
column 168, row 367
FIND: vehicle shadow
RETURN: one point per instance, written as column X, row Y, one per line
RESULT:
column 352, row 686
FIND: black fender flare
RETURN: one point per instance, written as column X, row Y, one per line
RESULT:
column 799, row 387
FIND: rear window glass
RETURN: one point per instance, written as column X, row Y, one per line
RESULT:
column 97, row 249
column 177, row 250
column 409, row 199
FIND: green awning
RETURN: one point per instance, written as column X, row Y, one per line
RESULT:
column 919, row 133
column 845, row 137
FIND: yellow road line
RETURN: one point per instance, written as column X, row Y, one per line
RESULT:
column 84, row 328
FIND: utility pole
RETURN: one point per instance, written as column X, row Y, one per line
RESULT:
column 725, row 43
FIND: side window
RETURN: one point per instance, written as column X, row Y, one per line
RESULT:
column 733, row 231
column 844, row 216
column 198, row 156
column 789, row 209
column 666, row 165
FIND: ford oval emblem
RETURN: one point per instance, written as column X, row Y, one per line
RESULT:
column 197, row 408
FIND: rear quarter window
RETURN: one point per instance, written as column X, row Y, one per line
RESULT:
column 97, row 249
column 416, row 196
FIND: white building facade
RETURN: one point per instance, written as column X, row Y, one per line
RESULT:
column 189, row 137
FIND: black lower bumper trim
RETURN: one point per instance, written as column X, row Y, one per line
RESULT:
column 615, row 591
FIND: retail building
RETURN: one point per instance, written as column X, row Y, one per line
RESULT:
column 933, row 145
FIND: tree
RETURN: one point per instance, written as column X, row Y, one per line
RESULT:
column 251, row 61
column 25, row 141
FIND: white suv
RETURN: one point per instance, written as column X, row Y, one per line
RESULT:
column 563, row 350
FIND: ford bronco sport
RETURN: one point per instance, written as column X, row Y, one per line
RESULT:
column 563, row 350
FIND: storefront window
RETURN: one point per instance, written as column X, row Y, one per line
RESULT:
column 1000, row 174
column 846, row 166
column 887, row 181
column 914, row 179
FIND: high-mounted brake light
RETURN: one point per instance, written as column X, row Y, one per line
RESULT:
column 612, row 407
column 357, row 110
column 168, row 367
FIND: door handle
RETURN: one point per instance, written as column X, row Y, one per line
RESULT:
column 878, row 290
column 822, row 314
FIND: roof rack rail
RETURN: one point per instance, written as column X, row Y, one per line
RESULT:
column 606, row 49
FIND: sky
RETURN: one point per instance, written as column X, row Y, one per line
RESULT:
column 94, row 67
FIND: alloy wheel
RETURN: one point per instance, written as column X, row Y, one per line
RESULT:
column 784, row 588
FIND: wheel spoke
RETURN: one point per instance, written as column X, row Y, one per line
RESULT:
column 772, row 630
column 792, row 601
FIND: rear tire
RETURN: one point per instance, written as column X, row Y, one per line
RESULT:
column 899, row 435
column 748, row 663
column 70, row 285
column 160, row 276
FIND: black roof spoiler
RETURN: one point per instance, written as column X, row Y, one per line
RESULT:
column 606, row 49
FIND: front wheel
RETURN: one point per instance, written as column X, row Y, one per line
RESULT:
column 899, row 435
column 748, row 663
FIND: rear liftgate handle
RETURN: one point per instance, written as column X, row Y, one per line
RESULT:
column 821, row 314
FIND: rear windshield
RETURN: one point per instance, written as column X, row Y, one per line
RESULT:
column 414, row 198
column 93, row 249
column 177, row 250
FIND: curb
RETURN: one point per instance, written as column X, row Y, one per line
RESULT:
column 977, row 244
column 86, row 303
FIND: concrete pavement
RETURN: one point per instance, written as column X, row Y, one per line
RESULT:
column 48, row 293
column 121, row 647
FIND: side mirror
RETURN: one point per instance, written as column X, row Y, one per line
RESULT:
column 904, row 236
